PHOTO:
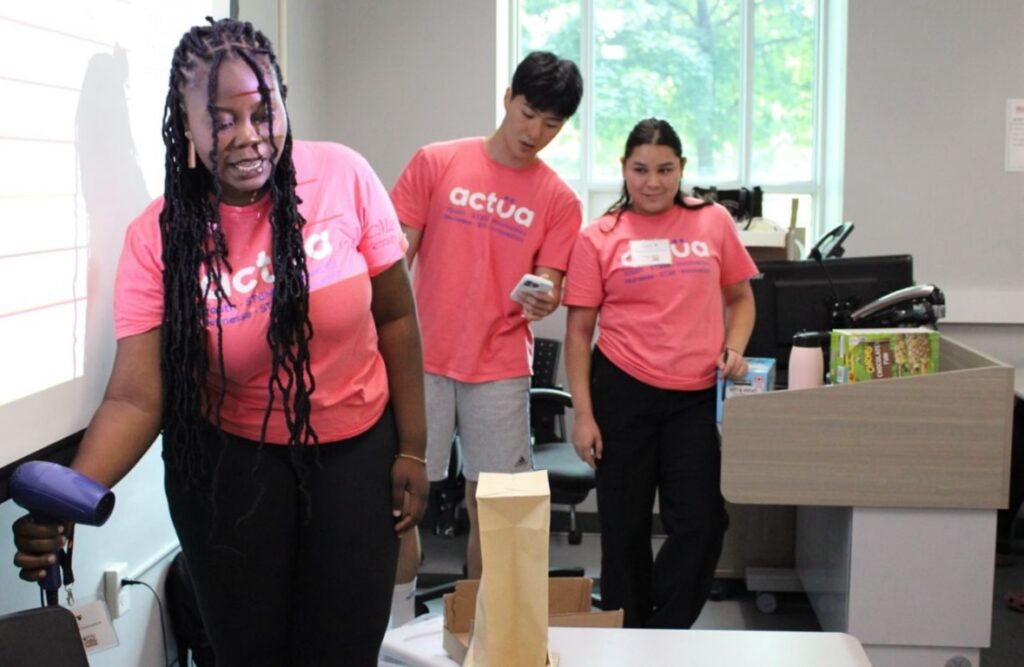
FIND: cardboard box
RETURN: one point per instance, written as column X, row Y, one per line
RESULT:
column 858, row 355
column 760, row 377
column 766, row 241
column 568, row 606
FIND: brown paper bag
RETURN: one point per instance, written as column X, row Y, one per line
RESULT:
column 511, row 626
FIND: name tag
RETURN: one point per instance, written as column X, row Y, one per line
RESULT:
column 654, row 252
column 95, row 627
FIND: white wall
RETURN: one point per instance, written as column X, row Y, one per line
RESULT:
column 928, row 80
column 310, row 63
column 927, row 84
column 389, row 76
column 110, row 62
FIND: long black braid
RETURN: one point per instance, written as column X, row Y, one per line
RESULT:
column 194, row 244
column 659, row 133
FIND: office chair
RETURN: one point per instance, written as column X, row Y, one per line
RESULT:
column 570, row 479
column 44, row 637
column 194, row 648
column 442, row 514
column 445, row 498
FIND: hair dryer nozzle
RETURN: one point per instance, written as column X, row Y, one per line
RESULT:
column 55, row 492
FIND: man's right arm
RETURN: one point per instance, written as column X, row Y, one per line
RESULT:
column 413, row 236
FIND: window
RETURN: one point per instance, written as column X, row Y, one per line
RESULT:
column 738, row 79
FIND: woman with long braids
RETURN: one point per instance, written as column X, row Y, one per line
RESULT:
column 266, row 326
column 658, row 270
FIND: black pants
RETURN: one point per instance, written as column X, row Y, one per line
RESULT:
column 665, row 441
column 273, row 588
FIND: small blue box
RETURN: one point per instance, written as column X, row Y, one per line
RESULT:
column 760, row 378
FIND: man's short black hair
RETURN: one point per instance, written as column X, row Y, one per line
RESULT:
column 549, row 83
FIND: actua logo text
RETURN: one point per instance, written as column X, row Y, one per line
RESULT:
column 244, row 280
column 503, row 207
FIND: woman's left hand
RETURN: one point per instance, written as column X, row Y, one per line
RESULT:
column 409, row 487
column 732, row 364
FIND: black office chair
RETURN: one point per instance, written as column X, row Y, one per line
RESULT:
column 194, row 648
column 445, row 497
column 44, row 637
column 570, row 479
column 445, row 520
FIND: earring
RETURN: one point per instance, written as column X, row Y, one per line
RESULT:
column 191, row 151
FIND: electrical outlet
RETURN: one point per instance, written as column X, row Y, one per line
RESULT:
column 116, row 595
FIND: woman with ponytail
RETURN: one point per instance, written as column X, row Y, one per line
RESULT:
column 668, row 279
column 267, row 330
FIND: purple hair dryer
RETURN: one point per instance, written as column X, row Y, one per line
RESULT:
column 53, row 493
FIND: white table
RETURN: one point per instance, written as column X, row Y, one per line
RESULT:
column 419, row 645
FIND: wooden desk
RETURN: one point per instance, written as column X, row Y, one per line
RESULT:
column 897, row 484
column 419, row 645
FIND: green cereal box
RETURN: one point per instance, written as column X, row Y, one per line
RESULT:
column 874, row 354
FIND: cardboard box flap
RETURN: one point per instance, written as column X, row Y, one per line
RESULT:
column 763, row 238
column 565, row 595
column 460, row 606
column 568, row 601
column 588, row 619
column 455, row 644
column 569, row 594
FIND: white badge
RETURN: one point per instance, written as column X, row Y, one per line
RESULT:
column 95, row 627
column 653, row 252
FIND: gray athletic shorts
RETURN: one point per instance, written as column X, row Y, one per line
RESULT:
column 492, row 420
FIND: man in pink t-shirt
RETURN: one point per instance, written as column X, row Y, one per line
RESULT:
column 480, row 213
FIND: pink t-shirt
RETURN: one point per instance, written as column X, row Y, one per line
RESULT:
column 657, row 282
column 484, row 225
column 351, row 234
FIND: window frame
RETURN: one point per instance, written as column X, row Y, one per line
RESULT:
column 825, row 186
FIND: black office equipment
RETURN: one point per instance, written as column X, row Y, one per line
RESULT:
column 44, row 637
column 569, row 478
column 917, row 305
column 792, row 296
column 831, row 244
column 742, row 203
column 193, row 643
